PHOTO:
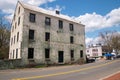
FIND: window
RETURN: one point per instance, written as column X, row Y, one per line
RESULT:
column 47, row 53
column 47, row 21
column 95, row 50
column 87, row 50
column 47, row 36
column 17, row 36
column 60, row 24
column 13, row 53
column 14, row 39
column 31, row 34
column 18, row 10
column 16, row 53
column 30, row 53
column 71, row 27
column 72, row 54
column 18, row 20
column 71, row 39
column 32, row 17
column 81, row 53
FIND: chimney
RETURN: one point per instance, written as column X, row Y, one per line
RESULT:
column 57, row 12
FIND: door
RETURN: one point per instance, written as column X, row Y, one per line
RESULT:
column 60, row 56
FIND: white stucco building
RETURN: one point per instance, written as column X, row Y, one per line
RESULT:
column 39, row 35
column 94, row 51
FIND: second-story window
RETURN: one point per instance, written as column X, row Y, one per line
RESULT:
column 32, row 17
column 31, row 34
column 71, row 27
column 47, row 21
column 18, row 20
column 71, row 39
column 47, row 36
column 60, row 24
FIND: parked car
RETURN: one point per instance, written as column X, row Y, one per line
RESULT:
column 90, row 60
column 118, row 56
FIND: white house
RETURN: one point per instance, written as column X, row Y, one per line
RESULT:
column 94, row 51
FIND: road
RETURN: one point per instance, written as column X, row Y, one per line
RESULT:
column 91, row 71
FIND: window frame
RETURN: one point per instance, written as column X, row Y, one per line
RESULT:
column 32, row 17
column 47, row 36
column 60, row 22
column 16, row 53
column 18, row 21
column 47, row 53
column 47, row 21
column 71, row 27
column 17, row 36
column 72, row 54
column 71, row 39
column 31, row 34
column 30, row 53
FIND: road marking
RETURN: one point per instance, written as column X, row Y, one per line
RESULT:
column 68, row 72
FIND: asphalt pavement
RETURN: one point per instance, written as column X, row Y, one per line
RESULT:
column 91, row 71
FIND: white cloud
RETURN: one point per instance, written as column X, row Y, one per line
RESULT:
column 96, row 21
column 8, row 6
column 57, row 7
column 98, row 39
column 88, row 40
column 37, row 2
column 93, row 41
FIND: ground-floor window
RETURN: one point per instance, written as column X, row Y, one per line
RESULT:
column 13, row 53
column 16, row 53
column 30, row 53
column 72, row 55
column 47, row 53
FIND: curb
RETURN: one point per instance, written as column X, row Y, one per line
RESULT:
column 110, row 75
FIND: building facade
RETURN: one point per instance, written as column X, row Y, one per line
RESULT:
column 39, row 35
column 94, row 51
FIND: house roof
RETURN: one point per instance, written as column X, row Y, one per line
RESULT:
column 48, row 12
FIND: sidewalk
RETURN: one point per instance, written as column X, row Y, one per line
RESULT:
column 115, row 76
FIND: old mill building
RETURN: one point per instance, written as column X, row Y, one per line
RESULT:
column 39, row 35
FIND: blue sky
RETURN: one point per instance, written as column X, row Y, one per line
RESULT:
column 96, row 15
column 80, row 7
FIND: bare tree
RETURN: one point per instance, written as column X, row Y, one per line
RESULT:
column 111, row 39
column 4, row 37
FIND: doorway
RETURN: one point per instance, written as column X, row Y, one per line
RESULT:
column 60, row 56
